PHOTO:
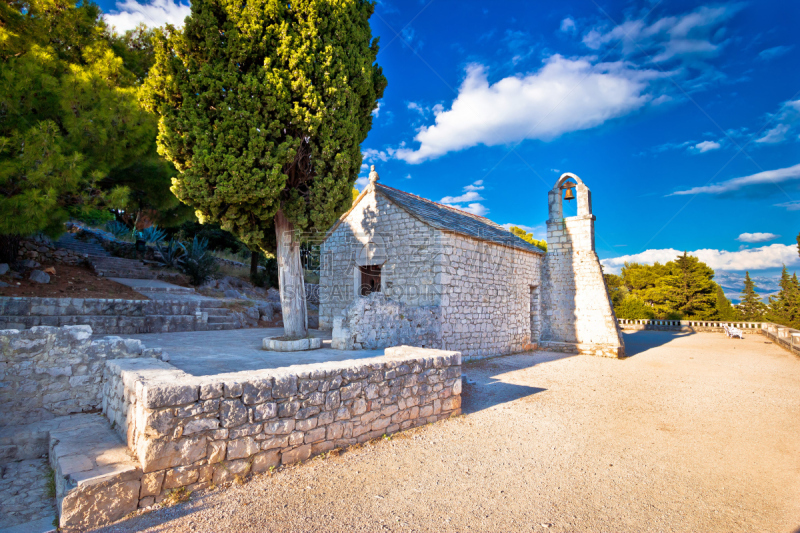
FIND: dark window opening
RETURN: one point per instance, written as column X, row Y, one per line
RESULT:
column 370, row 280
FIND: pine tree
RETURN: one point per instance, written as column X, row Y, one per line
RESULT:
column 690, row 289
column 725, row 311
column 528, row 237
column 751, row 307
column 68, row 115
column 783, row 307
column 263, row 106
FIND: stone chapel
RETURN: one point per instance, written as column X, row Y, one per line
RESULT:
column 398, row 269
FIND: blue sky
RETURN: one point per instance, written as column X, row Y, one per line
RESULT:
column 682, row 117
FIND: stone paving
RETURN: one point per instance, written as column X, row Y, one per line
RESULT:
column 204, row 353
column 24, row 494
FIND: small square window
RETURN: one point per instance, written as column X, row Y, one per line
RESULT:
column 370, row 280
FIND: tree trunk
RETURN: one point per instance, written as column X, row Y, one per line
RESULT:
column 253, row 265
column 290, row 278
column 9, row 248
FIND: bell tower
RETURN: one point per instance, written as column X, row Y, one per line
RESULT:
column 576, row 308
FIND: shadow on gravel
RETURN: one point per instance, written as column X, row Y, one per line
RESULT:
column 485, row 387
column 637, row 342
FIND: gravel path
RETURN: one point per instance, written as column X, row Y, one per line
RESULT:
column 695, row 432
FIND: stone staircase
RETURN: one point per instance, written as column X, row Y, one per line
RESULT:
column 97, row 479
column 103, row 263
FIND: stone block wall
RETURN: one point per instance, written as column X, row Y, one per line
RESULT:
column 379, row 322
column 42, row 250
column 486, row 296
column 46, row 372
column 105, row 316
column 191, row 431
column 378, row 232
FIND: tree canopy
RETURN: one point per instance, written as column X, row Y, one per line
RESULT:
column 528, row 237
column 682, row 288
column 69, row 113
column 264, row 109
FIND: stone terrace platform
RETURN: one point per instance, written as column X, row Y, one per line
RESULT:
column 202, row 353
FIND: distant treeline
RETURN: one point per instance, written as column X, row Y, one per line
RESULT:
column 685, row 289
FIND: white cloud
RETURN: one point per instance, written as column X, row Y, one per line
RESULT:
column 362, row 182
column 475, row 209
column 371, row 155
column 564, row 95
column 787, row 118
column 706, row 146
column 408, row 177
column 757, row 237
column 775, row 51
column 790, row 206
column 568, row 25
column 768, row 176
column 377, row 110
column 775, row 135
column 475, row 186
column 470, row 196
column 127, row 14
column 693, row 36
column 413, row 106
column 772, row 256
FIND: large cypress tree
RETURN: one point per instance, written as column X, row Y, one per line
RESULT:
column 751, row 307
column 263, row 106
column 68, row 115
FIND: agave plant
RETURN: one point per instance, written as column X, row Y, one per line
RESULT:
column 172, row 254
column 117, row 228
column 198, row 264
column 153, row 235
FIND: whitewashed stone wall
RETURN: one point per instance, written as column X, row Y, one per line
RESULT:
column 576, row 306
column 46, row 372
column 379, row 322
column 192, row 431
column 402, row 244
column 486, row 296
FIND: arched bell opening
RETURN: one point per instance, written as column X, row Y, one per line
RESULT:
column 568, row 191
column 569, row 197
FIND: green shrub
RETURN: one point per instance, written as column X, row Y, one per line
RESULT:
column 633, row 308
column 198, row 264
column 117, row 228
column 90, row 216
column 171, row 255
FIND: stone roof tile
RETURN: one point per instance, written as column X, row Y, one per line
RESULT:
column 454, row 220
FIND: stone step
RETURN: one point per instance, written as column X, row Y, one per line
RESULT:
column 218, row 319
column 215, row 311
column 222, row 326
column 97, row 479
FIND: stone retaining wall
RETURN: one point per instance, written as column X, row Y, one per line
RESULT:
column 46, row 372
column 105, row 316
column 190, row 431
column 378, row 322
column 42, row 250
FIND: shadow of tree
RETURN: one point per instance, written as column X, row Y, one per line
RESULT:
column 636, row 342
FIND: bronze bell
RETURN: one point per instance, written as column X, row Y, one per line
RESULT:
column 569, row 195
